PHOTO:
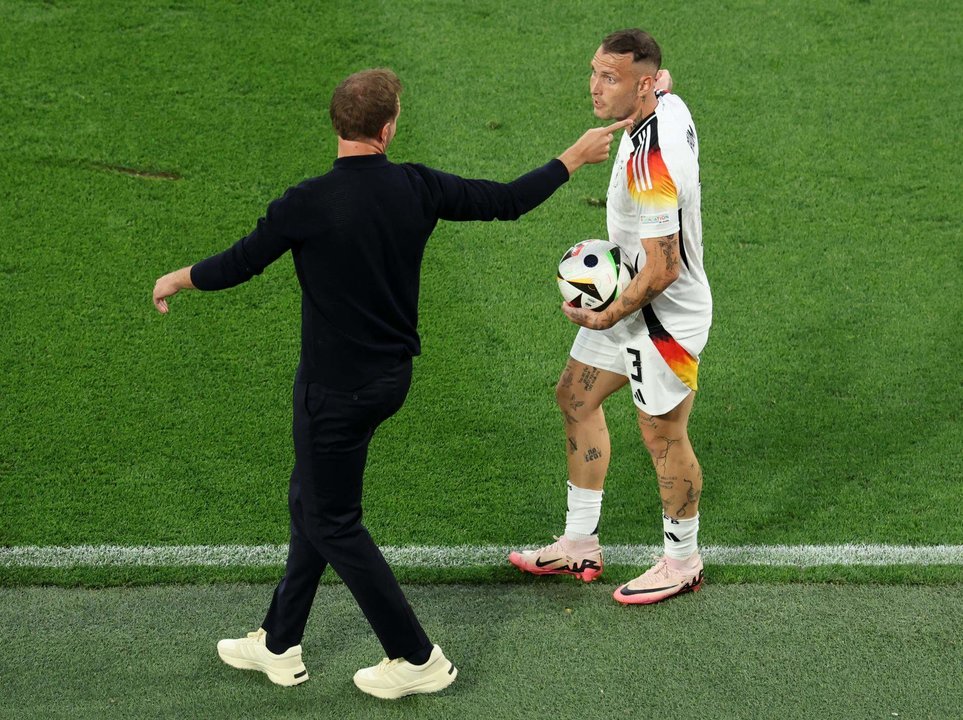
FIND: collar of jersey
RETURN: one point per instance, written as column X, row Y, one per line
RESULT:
column 647, row 119
column 637, row 129
column 362, row 161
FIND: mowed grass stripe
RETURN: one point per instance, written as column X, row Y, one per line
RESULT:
column 441, row 557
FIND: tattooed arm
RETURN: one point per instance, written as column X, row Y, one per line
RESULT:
column 661, row 269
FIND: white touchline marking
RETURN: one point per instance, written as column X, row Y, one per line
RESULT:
column 471, row 555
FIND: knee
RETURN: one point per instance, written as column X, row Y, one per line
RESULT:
column 573, row 403
column 649, row 430
column 335, row 528
column 663, row 446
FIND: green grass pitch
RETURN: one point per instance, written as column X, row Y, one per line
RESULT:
column 140, row 137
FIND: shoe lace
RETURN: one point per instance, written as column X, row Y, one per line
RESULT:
column 660, row 568
column 386, row 664
column 553, row 549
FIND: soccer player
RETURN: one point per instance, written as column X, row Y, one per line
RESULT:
column 357, row 235
column 649, row 339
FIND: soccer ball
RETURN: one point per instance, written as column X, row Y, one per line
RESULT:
column 593, row 273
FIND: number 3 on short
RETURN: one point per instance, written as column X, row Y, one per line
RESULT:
column 637, row 364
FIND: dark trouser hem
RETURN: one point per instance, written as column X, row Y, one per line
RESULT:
column 273, row 646
column 420, row 657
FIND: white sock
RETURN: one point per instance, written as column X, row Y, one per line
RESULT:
column 681, row 536
column 584, row 511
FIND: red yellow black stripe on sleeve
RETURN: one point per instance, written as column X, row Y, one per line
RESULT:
column 649, row 182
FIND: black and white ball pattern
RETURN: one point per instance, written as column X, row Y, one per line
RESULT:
column 593, row 274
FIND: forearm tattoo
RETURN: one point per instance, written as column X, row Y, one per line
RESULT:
column 668, row 246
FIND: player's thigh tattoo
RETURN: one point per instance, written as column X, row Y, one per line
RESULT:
column 589, row 376
column 647, row 422
column 568, row 375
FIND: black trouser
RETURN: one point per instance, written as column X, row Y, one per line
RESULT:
column 331, row 435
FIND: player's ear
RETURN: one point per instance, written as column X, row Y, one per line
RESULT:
column 646, row 83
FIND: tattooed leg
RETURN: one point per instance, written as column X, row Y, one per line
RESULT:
column 579, row 394
column 680, row 478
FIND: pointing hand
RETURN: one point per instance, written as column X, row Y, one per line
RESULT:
column 593, row 146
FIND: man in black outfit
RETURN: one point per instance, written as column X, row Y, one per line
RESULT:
column 357, row 235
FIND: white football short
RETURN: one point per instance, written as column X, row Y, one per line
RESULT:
column 661, row 369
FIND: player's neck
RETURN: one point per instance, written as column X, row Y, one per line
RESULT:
column 646, row 107
column 354, row 148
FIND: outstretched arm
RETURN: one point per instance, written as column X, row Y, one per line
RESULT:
column 274, row 235
column 458, row 198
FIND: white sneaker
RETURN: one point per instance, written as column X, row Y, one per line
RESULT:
column 392, row 679
column 250, row 653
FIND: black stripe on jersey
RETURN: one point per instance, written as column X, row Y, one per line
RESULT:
column 646, row 126
column 685, row 260
column 653, row 323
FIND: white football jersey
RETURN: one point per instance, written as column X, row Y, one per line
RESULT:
column 654, row 191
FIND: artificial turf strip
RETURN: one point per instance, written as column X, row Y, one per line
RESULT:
column 544, row 651
column 141, row 137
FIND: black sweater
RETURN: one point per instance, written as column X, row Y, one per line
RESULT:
column 357, row 235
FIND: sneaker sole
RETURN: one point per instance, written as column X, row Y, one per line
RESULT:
column 652, row 599
column 286, row 679
column 431, row 685
column 585, row 576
